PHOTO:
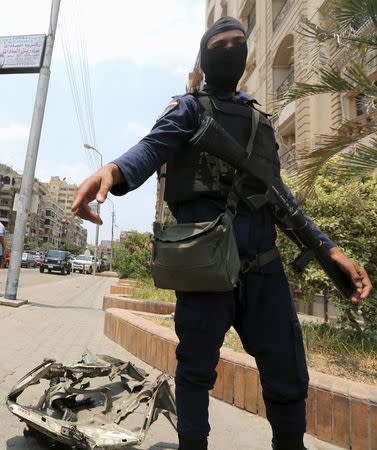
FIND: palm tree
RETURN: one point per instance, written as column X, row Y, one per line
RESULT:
column 351, row 28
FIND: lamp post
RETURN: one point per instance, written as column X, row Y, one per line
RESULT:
column 112, row 233
column 89, row 147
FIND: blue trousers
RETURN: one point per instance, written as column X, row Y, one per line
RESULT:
column 269, row 330
column 264, row 317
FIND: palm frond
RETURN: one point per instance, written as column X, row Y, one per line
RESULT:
column 352, row 78
column 359, row 162
column 332, row 146
column 347, row 11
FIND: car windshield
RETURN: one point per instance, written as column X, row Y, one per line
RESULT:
column 55, row 254
column 83, row 258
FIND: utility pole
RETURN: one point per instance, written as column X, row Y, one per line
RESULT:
column 30, row 163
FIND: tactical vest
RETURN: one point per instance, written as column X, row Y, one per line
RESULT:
column 190, row 174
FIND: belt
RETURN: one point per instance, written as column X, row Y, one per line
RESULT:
column 260, row 260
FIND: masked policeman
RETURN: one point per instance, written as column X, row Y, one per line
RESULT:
column 262, row 313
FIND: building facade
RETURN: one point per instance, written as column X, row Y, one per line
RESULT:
column 63, row 194
column 9, row 185
column 50, row 219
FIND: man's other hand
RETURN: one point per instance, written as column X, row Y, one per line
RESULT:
column 95, row 187
column 357, row 274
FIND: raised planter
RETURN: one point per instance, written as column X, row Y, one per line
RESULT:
column 124, row 286
column 339, row 411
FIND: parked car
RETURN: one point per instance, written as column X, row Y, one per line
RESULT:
column 83, row 264
column 57, row 260
column 27, row 260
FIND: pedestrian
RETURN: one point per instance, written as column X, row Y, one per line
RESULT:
column 196, row 191
column 2, row 244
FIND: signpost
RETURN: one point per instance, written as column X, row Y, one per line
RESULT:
column 22, row 54
column 28, row 54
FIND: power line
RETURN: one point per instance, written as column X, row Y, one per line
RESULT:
column 76, row 61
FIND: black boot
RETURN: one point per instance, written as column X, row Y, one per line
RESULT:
column 288, row 441
column 188, row 444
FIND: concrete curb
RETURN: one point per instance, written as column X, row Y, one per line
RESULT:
column 135, row 304
column 339, row 411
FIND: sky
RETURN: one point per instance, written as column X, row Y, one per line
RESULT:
column 137, row 55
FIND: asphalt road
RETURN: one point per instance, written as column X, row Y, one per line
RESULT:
column 64, row 317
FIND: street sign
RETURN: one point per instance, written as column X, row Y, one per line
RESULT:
column 21, row 54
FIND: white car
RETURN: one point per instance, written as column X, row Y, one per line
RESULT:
column 83, row 264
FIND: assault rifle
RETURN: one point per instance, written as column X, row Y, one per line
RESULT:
column 212, row 138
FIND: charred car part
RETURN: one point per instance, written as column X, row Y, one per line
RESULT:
column 79, row 410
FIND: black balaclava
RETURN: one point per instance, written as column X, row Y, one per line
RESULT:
column 223, row 67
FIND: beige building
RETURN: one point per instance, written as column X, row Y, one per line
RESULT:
column 62, row 192
column 9, row 182
column 50, row 219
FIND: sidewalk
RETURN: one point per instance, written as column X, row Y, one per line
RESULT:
column 64, row 317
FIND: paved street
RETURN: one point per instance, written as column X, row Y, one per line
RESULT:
column 64, row 317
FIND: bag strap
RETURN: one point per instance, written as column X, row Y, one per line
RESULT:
column 233, row 199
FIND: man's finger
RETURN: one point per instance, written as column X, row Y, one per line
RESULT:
column 103, row 190
column 86, row 213
column 366, row 284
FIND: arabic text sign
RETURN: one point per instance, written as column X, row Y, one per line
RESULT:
column 19, row 54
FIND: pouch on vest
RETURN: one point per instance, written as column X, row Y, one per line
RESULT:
column 196, row 256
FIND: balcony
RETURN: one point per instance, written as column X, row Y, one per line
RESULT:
column 282, row 12
column 286, row 83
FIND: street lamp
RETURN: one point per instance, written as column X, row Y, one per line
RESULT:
column 89, row 147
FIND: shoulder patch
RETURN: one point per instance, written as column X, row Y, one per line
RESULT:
column 172, row 105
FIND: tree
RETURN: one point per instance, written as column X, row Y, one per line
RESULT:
column 73, row 248
column 343, row 29
column 46, row 246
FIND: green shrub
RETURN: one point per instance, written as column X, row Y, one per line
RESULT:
column 347, row 213
column 132, row 256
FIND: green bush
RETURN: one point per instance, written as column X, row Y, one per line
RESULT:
column 132, row 256
column 347, row 213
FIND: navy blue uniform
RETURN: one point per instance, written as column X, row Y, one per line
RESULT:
column 263, row 313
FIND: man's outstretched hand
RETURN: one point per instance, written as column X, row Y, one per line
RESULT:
column 357, row 274
column 95, row 187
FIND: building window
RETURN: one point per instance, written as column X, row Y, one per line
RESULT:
column 224, row 8
column 283, row 65
column 211, row 17
column 362, row 106
column 279, row 10
column 251, row 20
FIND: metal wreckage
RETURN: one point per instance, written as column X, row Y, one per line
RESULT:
column 80, row 410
